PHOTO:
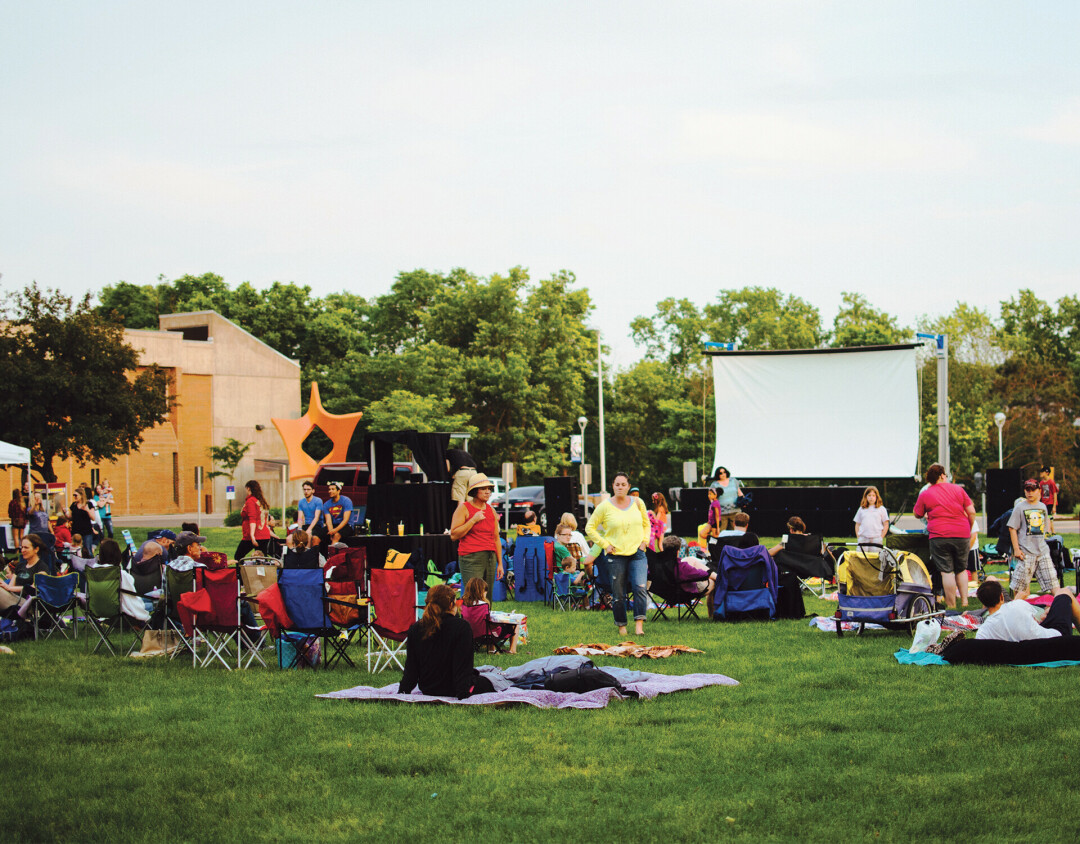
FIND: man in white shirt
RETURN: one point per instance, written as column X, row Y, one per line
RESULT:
column 1014, row 621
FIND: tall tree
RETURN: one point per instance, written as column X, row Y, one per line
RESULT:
column 858, row 323
column 753, row 318
column 73, row 386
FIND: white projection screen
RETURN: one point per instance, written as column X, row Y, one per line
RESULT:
column 831, row 413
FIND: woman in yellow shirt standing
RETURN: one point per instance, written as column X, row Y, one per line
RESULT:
column 621, row 526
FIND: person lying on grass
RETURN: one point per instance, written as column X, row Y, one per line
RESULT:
column 1015, row 620
column 475, row 594
column 439, row 651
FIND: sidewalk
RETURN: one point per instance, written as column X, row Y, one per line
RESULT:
column 170, row 520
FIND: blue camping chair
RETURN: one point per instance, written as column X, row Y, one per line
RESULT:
column 308, row 606
column 55, row 596
column 746, row 584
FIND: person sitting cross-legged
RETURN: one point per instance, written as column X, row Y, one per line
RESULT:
column 1015, row 620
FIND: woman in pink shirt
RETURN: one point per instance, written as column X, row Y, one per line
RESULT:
column 949, row 517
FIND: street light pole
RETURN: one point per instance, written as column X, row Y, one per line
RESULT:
column 999, row 420
column 582, row 422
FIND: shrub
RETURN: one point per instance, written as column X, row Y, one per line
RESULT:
column 291, row 514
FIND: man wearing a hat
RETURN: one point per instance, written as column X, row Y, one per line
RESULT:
column 164, row 538
column 189, row 546
column 475, row 528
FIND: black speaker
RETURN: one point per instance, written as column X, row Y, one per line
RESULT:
column 1003, row 487
column 561, row 496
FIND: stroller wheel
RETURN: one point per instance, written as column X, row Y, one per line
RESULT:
column 919, row 606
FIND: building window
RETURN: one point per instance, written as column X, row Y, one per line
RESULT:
column 176, row 478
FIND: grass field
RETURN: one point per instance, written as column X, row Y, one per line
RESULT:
column 825, row 739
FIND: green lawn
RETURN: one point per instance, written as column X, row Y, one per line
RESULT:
column 825, row 739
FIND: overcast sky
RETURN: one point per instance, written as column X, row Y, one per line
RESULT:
column 918, row 152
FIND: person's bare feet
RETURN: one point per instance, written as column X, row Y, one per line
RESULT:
column 639, row 630
column 622, row 631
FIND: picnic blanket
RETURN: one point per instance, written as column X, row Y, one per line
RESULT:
column 967, row 621
column 650, row 687
column 626, row 649
column 905, row 658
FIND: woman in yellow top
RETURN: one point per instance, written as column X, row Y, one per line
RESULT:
column 621, row 526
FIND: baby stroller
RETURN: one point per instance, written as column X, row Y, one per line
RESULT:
column 881, row 586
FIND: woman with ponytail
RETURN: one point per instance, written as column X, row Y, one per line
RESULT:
column 439, row 651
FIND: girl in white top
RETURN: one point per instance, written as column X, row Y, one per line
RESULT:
column 872, row 519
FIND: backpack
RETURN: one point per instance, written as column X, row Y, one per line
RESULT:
column 585, row 678
column 9, row 630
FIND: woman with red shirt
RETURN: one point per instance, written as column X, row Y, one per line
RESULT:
column 475, row 528
column 254, row 522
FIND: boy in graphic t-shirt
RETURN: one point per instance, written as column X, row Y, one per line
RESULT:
column 1029, row 525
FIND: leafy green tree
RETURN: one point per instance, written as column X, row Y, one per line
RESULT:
column 859, row 324
column 73, row 387
column 131, row 305
column 753, row 317
column 228, row 457
column 973, row 335
column 402, row 410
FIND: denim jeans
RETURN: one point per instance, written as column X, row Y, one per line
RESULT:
column 636, row 567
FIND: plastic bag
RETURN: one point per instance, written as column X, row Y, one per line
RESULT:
column 927, row 632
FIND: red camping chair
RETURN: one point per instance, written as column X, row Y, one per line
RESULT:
column 487, row 633
column 393, row 598
column 348, row 565
column 212, row 612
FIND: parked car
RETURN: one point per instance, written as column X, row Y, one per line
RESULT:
column 520, row 499
column 353, row 477
column 499, row 494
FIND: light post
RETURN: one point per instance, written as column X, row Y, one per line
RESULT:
column 999, row 420
column 582, row 422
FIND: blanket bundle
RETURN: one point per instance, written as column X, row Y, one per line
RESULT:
column 624, row 649
column 525, row 684
column 650, row 686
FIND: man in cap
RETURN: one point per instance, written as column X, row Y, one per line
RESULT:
column 163, row 538
column 189, row 550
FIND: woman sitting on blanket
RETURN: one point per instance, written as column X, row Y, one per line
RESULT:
column 439, row 651
column 476, row 593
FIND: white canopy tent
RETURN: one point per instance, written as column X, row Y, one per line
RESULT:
column 14, row 454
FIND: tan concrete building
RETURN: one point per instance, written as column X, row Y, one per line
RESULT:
column 227, row 384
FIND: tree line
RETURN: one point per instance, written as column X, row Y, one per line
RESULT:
column 512, row 361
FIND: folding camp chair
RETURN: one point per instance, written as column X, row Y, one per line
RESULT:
column 219, row 624
column 54, row 596
column 673, row 591
column 565, row 594
column 746, row 584
column 308, row 606
column 393, row 599
column 104, row 609
column 255, row 576
column 487, row 633
column 176, row 584
column 803, row 557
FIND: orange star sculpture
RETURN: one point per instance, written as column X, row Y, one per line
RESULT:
column 338, row 427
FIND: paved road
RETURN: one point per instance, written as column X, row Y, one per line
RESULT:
column 172, row 520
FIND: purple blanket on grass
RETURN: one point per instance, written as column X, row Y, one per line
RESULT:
column 655, row 684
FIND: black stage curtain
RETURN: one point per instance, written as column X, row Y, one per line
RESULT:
column 413, row 504
column 427, row 449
